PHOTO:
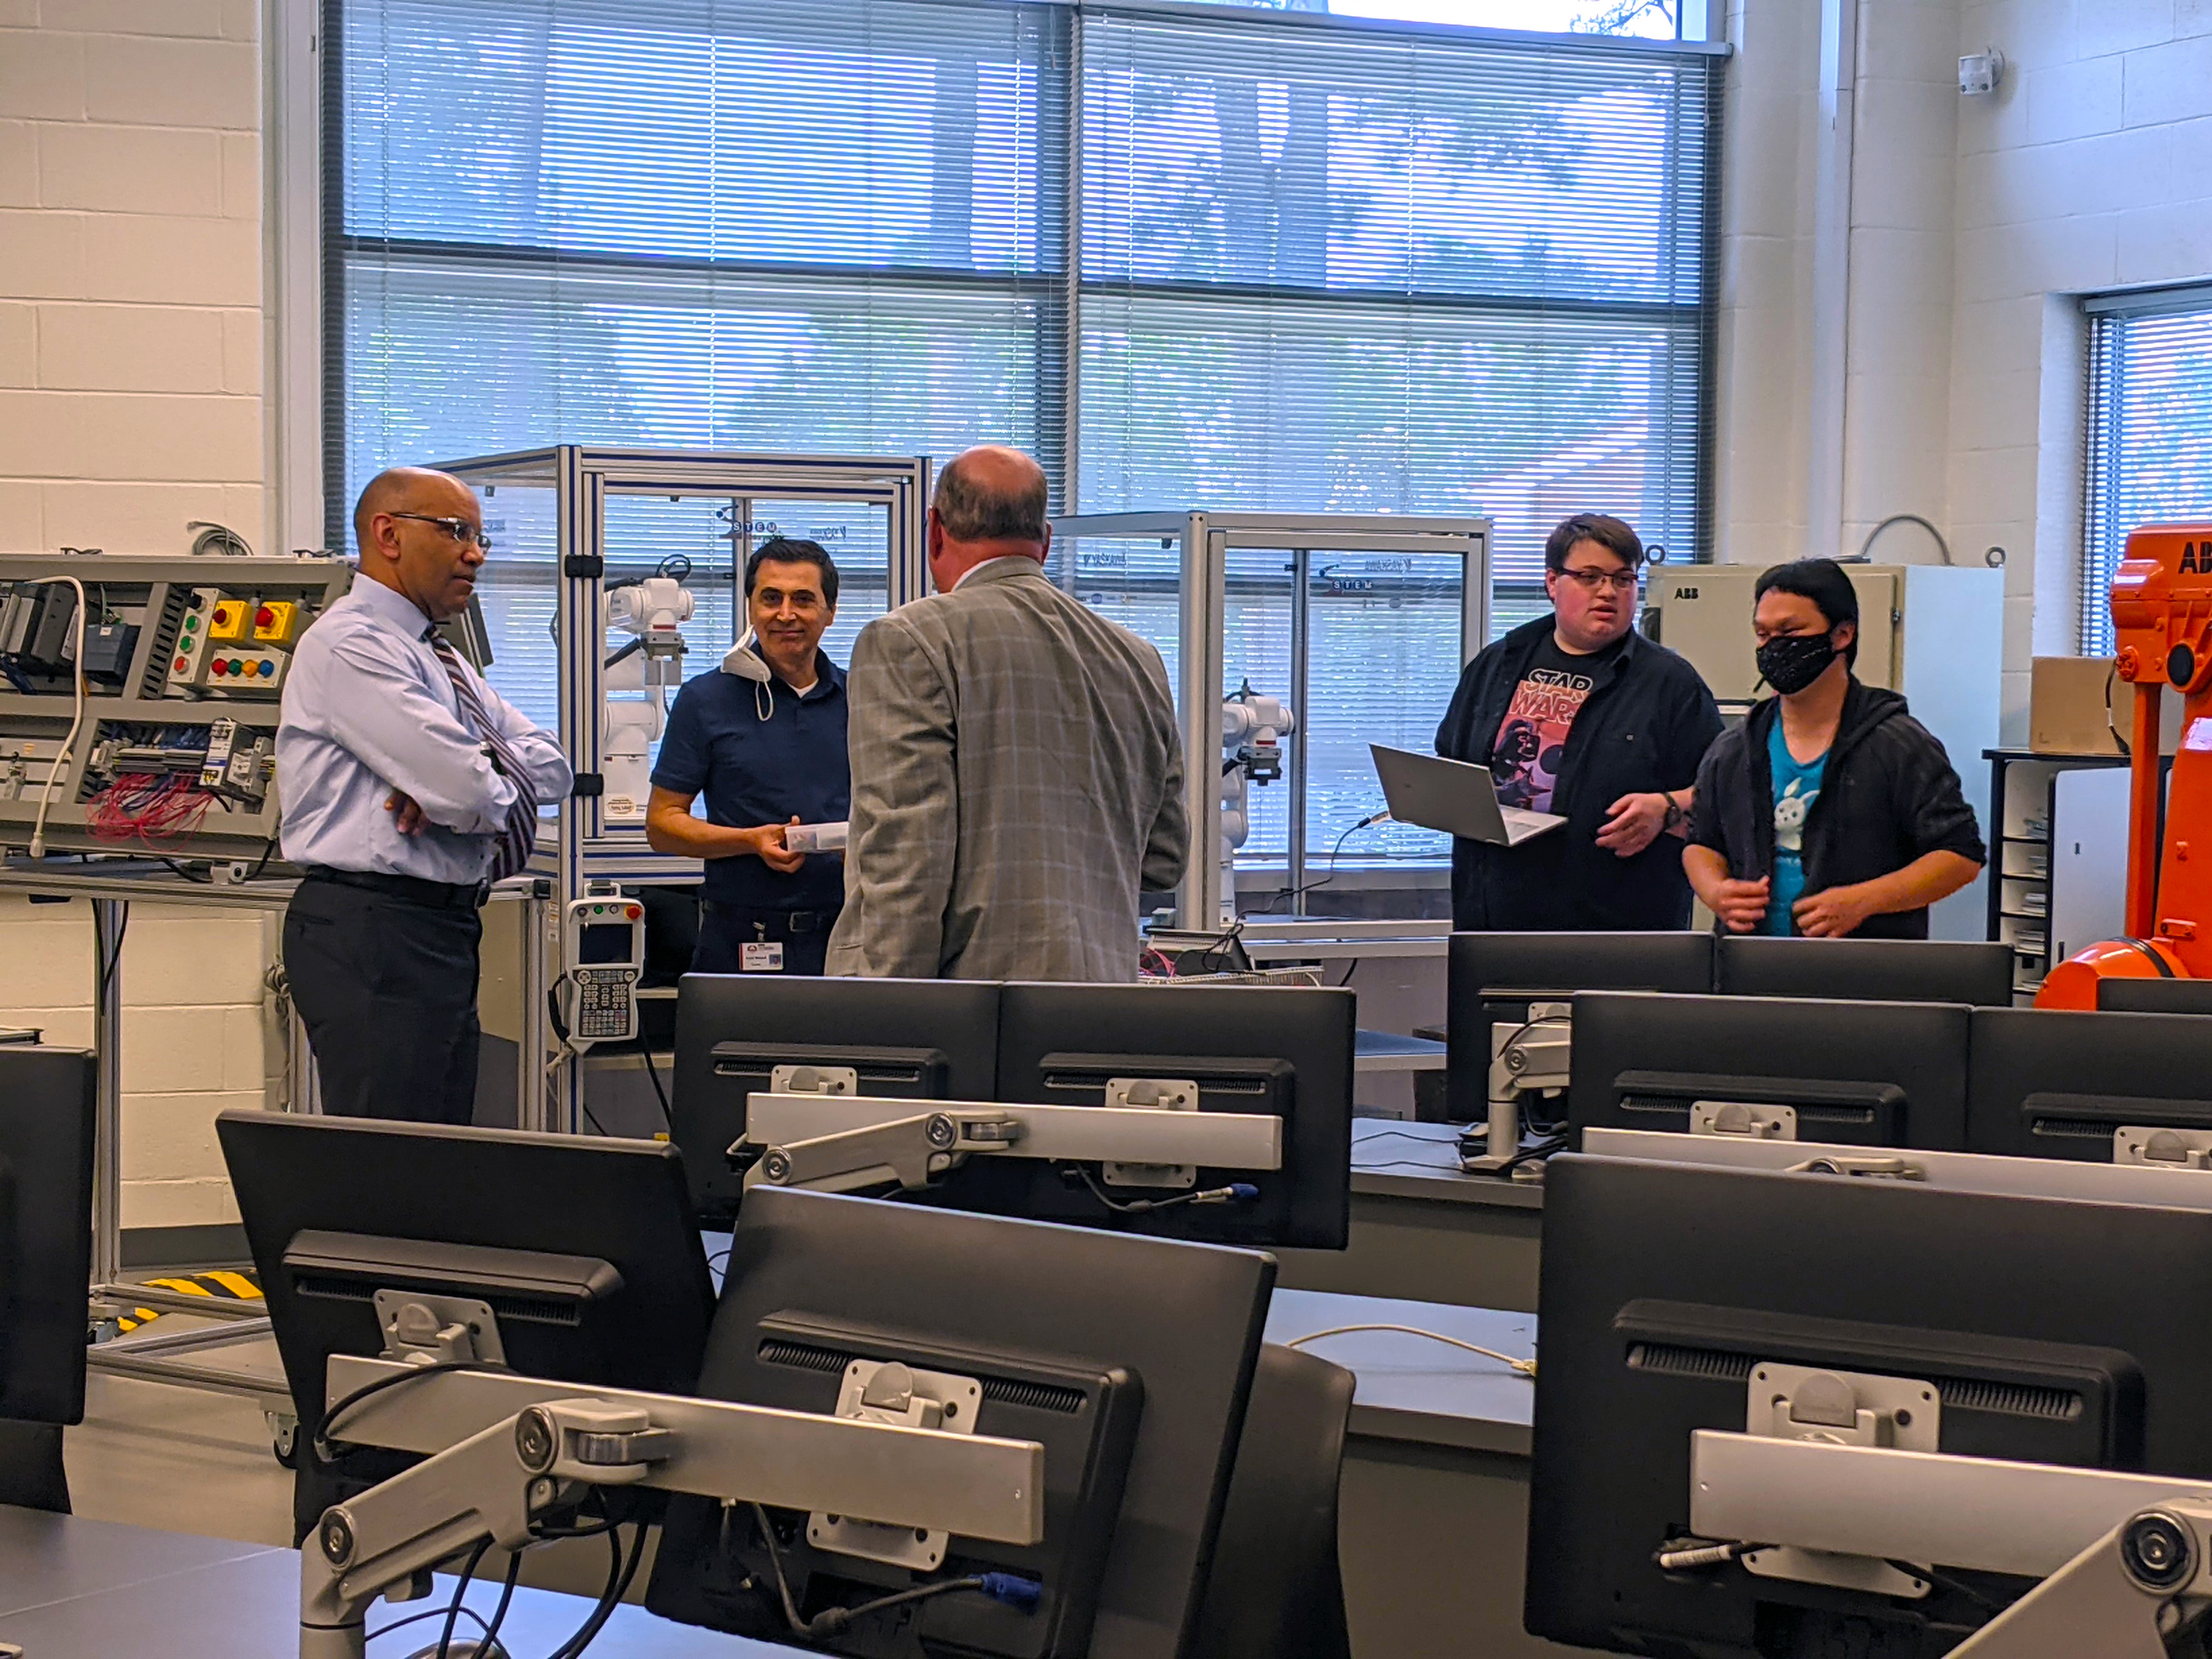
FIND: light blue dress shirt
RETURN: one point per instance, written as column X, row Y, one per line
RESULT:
column 368, row 708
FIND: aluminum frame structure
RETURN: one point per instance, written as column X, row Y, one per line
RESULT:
column 1206, row 539
column 582, row 846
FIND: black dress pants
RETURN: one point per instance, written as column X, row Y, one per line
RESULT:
column 387, row 987
column 726, row 929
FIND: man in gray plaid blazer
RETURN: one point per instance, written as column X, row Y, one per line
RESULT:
column 1017, row 769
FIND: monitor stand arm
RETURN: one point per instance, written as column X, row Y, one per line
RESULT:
column 2127, row 1596
column 840, row 1143
column 2125, row 1558
column 1527, row 1059
column 505, row 1449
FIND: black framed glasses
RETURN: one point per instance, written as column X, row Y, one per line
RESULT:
column 457, row 530
column 1621, row 581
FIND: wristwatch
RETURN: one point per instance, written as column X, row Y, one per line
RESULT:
column 1676, row 816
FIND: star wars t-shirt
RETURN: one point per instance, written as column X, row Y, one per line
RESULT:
column 1532, row 740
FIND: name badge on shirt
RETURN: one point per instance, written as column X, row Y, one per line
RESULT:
column 763, row 958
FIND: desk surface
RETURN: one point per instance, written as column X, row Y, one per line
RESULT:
column 1395, row 1159
column 1412, row 1389
column 73, row 1588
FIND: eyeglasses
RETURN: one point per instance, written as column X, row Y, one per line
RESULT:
column 457, row 530
column 1621, row 581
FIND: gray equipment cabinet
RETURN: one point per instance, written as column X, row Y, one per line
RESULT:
column 2058, row 851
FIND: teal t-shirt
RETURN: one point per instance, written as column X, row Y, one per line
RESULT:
column 1795, row 788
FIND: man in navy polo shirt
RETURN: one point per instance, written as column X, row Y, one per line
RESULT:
column 764, row 737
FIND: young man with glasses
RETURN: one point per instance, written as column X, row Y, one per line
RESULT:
column 409, row 787
column 1578, row 715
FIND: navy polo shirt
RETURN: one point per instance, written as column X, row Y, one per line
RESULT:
column 754, row 771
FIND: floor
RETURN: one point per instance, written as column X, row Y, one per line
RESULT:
column 187, row 1460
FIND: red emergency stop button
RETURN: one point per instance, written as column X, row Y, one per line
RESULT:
column 632, row 912
column 264, row 618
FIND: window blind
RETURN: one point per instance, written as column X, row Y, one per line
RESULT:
column 2148, row 431
column 1188, row 256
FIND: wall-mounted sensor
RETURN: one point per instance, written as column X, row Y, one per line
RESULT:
column 1979, row 74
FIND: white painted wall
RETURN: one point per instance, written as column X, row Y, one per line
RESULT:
column 1973, row 224
column 130, row 402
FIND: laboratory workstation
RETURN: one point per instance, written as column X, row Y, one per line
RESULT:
column 1105, row 829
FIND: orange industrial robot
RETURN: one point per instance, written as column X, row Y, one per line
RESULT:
column 2162, row 623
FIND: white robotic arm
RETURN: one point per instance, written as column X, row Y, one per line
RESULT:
column 1252, row 731
column 652, row 612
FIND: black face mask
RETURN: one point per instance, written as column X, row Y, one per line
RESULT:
column 1794, row 661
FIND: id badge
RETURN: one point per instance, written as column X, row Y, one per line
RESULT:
column 762, row 958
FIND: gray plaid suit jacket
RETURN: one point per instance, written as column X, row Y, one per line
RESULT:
column 1017, row 778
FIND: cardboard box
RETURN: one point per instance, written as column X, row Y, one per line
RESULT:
column 2080, row 706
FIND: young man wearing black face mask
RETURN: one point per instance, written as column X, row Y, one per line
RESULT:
column 1831, row 811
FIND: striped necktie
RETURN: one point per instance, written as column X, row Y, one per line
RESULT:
column 520, row 837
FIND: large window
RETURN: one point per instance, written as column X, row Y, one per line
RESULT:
column 1229, row 257
column 2150, row 426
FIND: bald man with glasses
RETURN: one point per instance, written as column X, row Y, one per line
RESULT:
column 409, row 785
column 1578, row 715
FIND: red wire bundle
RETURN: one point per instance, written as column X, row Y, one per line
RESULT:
column 153, row 811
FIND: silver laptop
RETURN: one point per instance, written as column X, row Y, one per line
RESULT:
column 1455, row 797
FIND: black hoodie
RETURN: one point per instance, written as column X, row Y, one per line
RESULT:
column 1889, row 796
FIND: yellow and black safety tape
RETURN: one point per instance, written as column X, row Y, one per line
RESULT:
column 220, row 1283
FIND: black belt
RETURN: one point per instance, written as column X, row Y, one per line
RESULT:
column 439, row 895
column 793, row 921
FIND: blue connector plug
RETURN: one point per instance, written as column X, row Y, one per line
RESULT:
column 1013, row 1590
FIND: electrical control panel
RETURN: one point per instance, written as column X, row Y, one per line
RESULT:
column 184, row 660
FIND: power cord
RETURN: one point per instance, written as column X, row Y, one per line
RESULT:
column 320, row 1439
column 1295, row 893
column 1237, row 1192
column 1519, row 1367
column 453, row 1610
column 1011, row 1588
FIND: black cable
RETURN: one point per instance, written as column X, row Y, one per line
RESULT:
column 460, row 1590
column 320, row 1439
column 652, row 1076
column 1315, row 886
column 179, row 871
column 416, row 1618
column 1147, row 1205
column 499, row 1614
column 115, row 957
column 1532, row 1153
column 617, row 1584
column 267, row 848
column 833, row 1621
column 1945, row 1582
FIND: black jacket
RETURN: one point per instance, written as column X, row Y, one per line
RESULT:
column 1643, row 729
column 1889, row 796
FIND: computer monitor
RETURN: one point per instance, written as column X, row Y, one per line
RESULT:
column 1273, row 1050
column 908, row 1039
column 2053, row 1331
column 1128, row 1359
column 1856, row 1073
column 2048, row 1083
column 2155, row 996
column 585, row 1251
column 46, row 1127
column 1887, row 969
column 1493, row 977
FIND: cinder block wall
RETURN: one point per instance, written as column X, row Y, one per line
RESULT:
column 130, row 402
